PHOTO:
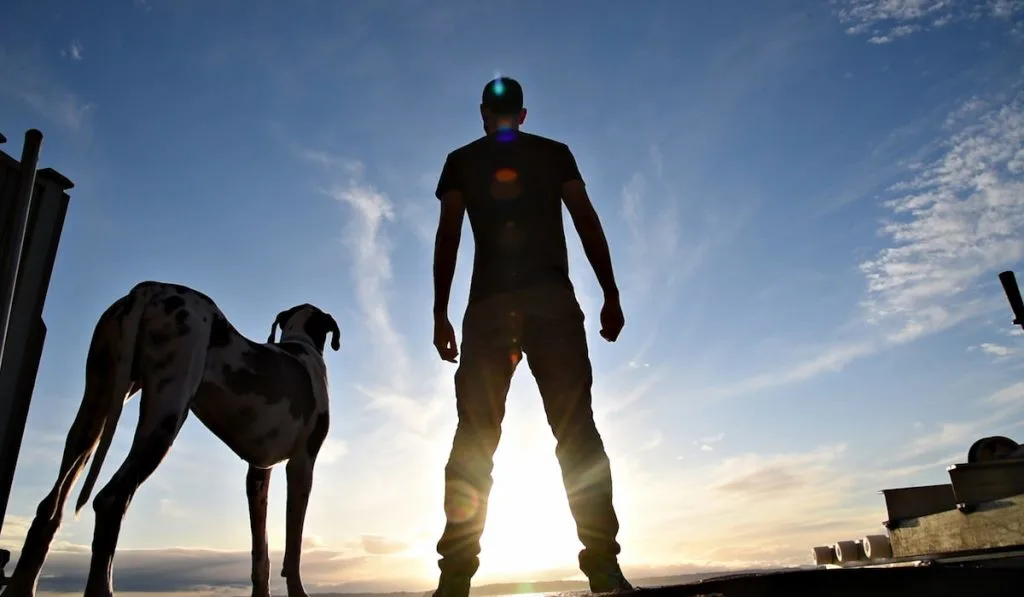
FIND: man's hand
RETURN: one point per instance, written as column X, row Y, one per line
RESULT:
column 612, row 319
column 444, row 339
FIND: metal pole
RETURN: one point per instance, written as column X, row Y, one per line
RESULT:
column 1009, row 282
column 12, row 252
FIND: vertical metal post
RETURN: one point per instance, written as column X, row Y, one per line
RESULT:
column 12, row 252
column 1009, row 282
column 32, row 209
column 18, row 366
column 18, row 415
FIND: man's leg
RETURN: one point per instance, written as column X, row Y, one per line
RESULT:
column 556, row 351
column 489, row 358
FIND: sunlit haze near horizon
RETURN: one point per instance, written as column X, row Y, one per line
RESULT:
column 807, row 204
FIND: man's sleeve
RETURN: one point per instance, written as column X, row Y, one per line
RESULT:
column 569, row 170
column 450, row 179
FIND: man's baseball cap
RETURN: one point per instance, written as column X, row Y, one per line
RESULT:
column 503, row 96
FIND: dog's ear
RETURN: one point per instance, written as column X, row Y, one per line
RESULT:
column 280, row 320
column 273, row 328
column 318, row 325
column 332, row 327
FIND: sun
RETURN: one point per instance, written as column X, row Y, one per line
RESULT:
column 529, row 527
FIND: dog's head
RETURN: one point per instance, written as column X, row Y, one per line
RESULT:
column 310, row 322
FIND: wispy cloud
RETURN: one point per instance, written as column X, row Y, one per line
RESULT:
column 370, row 211
column 707, row 443
column 73, row 51
column 1000, row 411
column 760, row 508
column 332, row 450
column 64, row 109
column 899, row 474
column 377, row 545
column 653, row 242
column 831, row 359
column 407, row 394
column 172, row 509
column 959, row 218
column 954, row 221
column 27, row 80
column 661, row 252
column 996, row 350
column 1010, row 397
column 339, row 165
column 887, row 20
column 894, row 33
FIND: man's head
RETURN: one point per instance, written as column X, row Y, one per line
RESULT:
column 309, row 322
column 501, row 105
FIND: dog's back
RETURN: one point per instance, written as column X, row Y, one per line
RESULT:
column 134, row 345
column 258, row 399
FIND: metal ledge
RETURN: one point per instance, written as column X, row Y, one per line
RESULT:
column 913, row 502
column 981, row 482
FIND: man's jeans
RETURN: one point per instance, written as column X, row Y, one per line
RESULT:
column 545, row 323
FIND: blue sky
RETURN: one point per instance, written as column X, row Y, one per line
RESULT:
column 807, row 205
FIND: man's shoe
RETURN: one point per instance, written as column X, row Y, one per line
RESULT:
column 453, row 585
column 609, row 579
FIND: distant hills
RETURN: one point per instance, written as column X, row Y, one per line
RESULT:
column 558, row 586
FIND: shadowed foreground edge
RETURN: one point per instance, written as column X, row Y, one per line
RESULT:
column 926, row 581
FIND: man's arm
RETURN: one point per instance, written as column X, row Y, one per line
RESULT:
column 588, row 225
column 446, row 248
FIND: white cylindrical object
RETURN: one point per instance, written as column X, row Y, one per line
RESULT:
column 877, row 547
column 848, row 551
column 824, row 555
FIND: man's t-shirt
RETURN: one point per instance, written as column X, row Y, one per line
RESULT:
column 512, row 188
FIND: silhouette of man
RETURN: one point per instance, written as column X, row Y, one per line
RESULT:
column 512, row 185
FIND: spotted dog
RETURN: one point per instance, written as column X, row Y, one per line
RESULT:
column 267, row 402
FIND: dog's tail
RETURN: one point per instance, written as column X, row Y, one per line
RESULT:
column 109, row 384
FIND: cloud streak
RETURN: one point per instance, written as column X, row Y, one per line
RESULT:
column 887, row 20
column 1002, row 411
column 29, row 82
column 759, row 508
column 952, row 223
column 73, row 51
column 371, row 262
column 398, row 390
column 959, row 218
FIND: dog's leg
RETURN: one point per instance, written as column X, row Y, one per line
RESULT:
column 257, row 486
column 300, row 482
column 158, row 426
column 168, row 383
column 81, row 440
column 107, row 380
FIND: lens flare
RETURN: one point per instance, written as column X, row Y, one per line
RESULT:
column 506, row 175
column 461, row 501
column 505, row 135
column 498, row 87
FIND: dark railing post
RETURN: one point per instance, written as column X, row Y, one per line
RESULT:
column 17, row 230
column 1009, row 282
column 32, row 210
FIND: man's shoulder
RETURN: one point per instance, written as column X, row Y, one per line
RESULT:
column 475, row 144
column 541, row 140
column 487, row 143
